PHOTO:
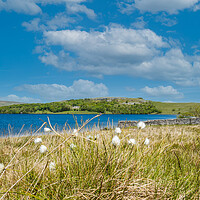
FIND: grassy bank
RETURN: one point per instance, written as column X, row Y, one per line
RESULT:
column 167, row 168
column 68, row 112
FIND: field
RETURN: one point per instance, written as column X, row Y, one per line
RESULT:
column 175, row 108
column 87, row 165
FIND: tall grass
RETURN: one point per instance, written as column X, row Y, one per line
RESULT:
column 167, row 168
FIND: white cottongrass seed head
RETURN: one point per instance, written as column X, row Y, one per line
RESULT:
column 52, row 166
column 37, row 140
column 43, row 149
column 116, row 141
column 2, row 167
column 147, row 141
column 46, row 130
column 118, row 130
column 141, row 125
column 72, row 146
column 131, row 142
column 75, row 132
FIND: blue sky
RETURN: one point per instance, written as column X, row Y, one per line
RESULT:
column 52, row 50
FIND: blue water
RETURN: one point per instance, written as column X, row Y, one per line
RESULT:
column 13, row 123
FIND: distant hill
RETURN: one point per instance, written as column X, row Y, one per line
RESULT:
column 107, row 105
column 175, row 108
column 7, row 103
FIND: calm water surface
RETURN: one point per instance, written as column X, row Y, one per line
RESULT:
column 13, row 123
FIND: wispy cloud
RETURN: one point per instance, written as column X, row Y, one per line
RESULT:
column 130, row 89
column 166, row 21
column 59, row 21
column 139, row 23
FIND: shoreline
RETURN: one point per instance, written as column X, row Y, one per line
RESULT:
column 79, row 114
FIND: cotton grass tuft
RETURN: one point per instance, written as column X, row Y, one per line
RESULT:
column 52, row 166
column 132, row 142
column 75, row 132
column 43, row 149
column 47, row 130
column 116, row 141
column 141, row 125
column 118, row 130
column 37, row 140
column 147, row 141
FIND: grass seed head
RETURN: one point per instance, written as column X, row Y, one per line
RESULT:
column 43, row 149
column 147, row 141
column 75, row 132
column 47, row 130
column 116, row 141
column 141, row 125
column 52, row 166
column 131, row 142
column 118, row 130
column 37, row 140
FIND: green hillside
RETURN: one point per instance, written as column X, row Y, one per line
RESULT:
column 106, row 105
column 97, row 105
column 175, row 108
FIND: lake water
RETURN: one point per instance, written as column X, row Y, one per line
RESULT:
column 11, row 124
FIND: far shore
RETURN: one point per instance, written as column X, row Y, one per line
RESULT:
column 82, row 113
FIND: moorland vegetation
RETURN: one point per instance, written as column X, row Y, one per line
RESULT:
column 153, row 162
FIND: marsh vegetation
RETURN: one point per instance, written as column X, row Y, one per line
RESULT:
column 89, row 165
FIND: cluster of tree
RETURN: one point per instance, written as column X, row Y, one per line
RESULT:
column 89, row 105
column 35, row 107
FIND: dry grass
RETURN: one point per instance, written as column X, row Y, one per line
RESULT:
column 168, row 168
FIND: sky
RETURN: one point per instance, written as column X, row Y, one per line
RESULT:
column 54, row 50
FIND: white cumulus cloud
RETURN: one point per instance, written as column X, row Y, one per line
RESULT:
column 33, row 7
column 79, row 89
column 20, row 6
column 121, row 51
column 170, row 6
column 162, row 91
column 113, row 51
